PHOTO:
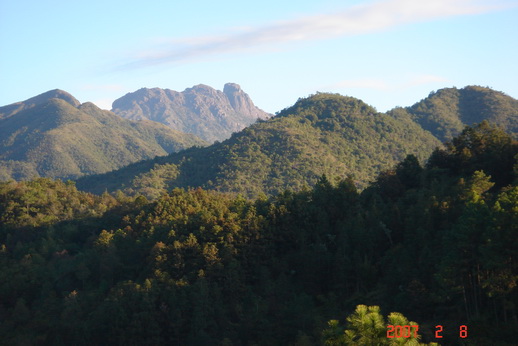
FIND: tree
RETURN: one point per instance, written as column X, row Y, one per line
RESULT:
column 367, row 327
column 481, row 147
column 409, row 171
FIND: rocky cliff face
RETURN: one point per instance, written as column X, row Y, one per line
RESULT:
column 201, row 110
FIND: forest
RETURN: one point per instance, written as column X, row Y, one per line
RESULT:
column 434, row 242
column 323, row 134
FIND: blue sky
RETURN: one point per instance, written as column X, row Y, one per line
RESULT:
column 388, row 52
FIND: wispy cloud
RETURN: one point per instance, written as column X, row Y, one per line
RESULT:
column 357, row 20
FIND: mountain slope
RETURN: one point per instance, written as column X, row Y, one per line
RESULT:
column 55, row 138
column 201, row 110
column 12, row 109
column 446, row 112
column 323, row 134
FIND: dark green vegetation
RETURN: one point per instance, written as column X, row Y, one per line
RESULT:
column 322, row 134
column 438, row 243
column 446, row 112
column 201, row 110
column 53, row 135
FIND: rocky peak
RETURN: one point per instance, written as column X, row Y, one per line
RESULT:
column 241, row 102
column 231, row 88
column 237, row 98
column 202, row 110
column 201, row 88
column 144, row 93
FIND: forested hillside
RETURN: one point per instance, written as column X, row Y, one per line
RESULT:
column 53, row 135
column 12, row 109
column 437, row 243
column 445, row 112
column 322, row 134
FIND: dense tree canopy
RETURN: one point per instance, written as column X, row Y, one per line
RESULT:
column 436, row 243
column 321, row 134
column 447, row 111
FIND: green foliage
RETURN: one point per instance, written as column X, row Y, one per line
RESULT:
column 196, row 267
column 366, row 326
column 60, row 140
column 446, row 112
column 44, row 202
column 484, row 147
column 322, row 134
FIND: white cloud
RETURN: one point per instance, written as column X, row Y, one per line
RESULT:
column 357, row 20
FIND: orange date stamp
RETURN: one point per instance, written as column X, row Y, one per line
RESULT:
column 408, row 331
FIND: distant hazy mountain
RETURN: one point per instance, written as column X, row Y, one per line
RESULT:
column 446, row 112
column 201, row 110
column 323, row 134
column 53, row 135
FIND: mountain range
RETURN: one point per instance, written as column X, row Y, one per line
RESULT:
column 322, row 134
column 54, row 135
column 201, row 110
column 430, row 238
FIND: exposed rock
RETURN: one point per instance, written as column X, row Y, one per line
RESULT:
column 201, row 110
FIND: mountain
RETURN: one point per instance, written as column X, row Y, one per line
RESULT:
column 446, row 112
column 9, row 110
column 322, row 134
column 53, row 135
column 201, row 110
